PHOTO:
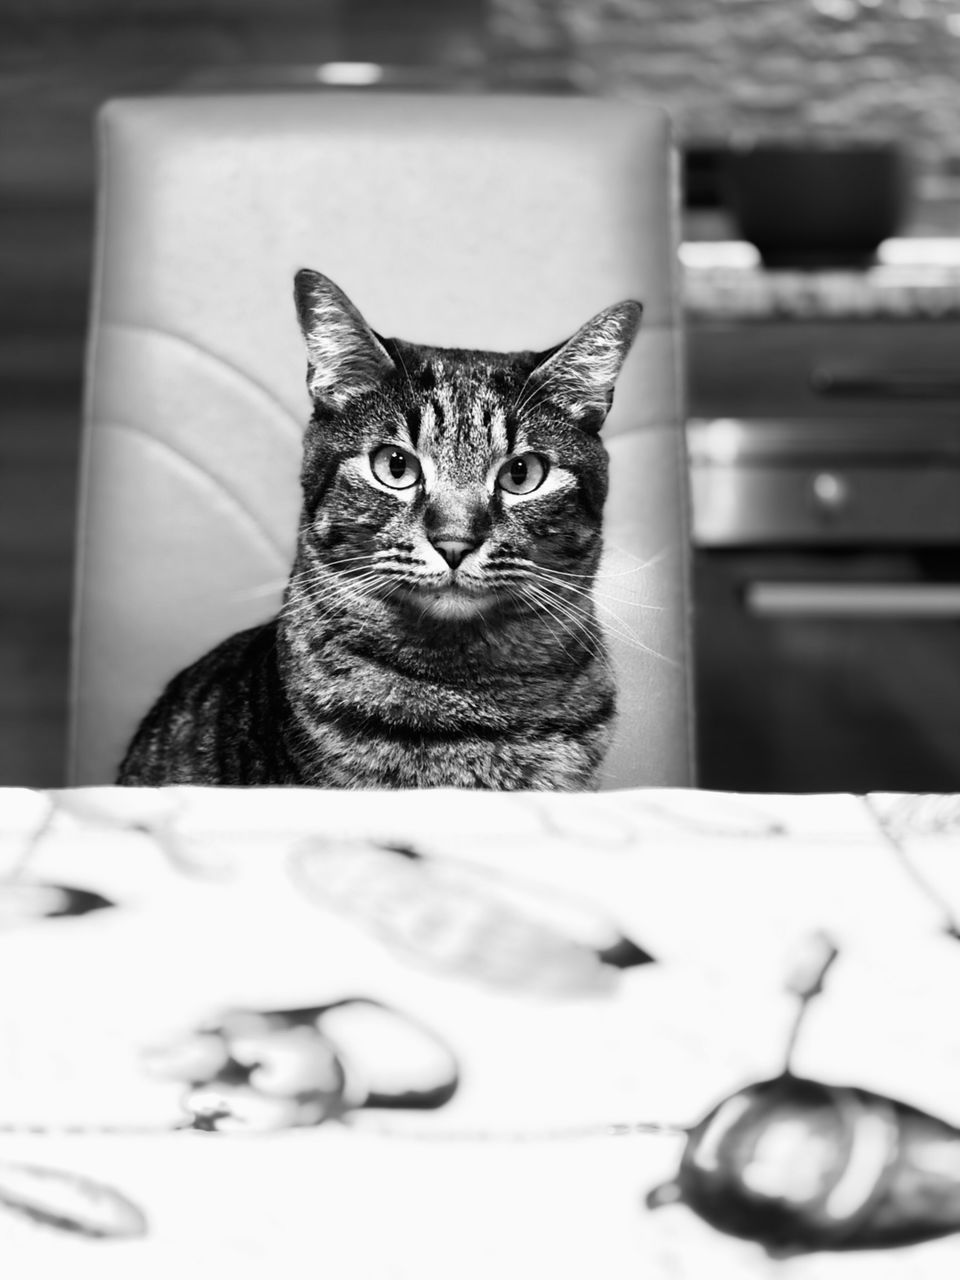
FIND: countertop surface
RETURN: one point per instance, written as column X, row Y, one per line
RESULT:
column 912, row 279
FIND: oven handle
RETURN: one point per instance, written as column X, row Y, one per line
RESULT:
column 854, row 600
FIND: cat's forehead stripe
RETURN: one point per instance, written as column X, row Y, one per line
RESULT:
column 474, row 421
column 498, row 429
column 414, row 420
column 427, row 425
column 454, row 412
column 434, row 414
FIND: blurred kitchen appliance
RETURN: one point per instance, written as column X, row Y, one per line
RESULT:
column 814, row 205
column 827, row 572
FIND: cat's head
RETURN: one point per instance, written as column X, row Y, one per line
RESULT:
column 456, row 483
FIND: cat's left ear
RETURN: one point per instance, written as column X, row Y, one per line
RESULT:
column 579, row 375
column 344, row 355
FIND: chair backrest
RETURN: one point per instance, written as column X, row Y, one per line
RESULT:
column 498, row 222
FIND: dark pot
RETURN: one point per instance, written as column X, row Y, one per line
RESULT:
column 806, row 206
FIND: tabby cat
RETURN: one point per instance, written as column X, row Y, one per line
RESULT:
column 437, row 628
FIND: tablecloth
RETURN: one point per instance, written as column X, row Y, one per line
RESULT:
column 442, row 1033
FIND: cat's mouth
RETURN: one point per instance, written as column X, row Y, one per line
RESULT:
column 453, row 599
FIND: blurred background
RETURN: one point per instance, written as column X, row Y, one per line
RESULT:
column 737, row 76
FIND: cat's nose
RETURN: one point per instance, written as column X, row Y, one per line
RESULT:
column 453, row 550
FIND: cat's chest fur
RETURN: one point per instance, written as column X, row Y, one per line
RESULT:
column 372, row 719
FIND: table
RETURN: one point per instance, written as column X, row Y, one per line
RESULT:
column 465, row 1034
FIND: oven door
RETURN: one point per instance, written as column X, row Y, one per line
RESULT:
column 831, row 670
column 827, row 593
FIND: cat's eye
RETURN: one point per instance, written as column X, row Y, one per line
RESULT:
column 395, row 467
column 522, row 474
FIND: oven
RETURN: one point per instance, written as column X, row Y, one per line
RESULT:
column 827, row 591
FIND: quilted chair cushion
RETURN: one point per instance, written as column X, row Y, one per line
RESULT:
column 494, row 222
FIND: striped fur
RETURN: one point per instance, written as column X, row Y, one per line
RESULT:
column 438, row 627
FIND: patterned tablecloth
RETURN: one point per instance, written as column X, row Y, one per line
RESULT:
column 443, row 1034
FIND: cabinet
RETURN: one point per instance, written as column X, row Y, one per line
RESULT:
column 825, row 470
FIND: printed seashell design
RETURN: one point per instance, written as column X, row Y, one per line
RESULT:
column 23, row 901
column 254, row 1071
column 799, row 1165
column 461, row 920
column 69, row 1202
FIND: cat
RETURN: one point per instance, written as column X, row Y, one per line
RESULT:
column 437, row 629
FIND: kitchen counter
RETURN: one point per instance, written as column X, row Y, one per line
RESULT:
column 913, row 279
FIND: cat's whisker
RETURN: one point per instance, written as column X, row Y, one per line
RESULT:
column 577, row 624
column 523, row 395
column 548, row 617
column 323, row 581
column 392, row 552
column 323, row 593
column 338, row 563
column 599, row 574
column 523, row 401
column 403, row 366
column 649, row 563
column 604, row 598
column 538, row 567
column 575, row 609
column 613, row 623
column 322, row 602
column 354, row 576
column 356, row 557
column 528, row 394
column 354, row 589
column 547, row 604
column 532, row 568
column 598, row 593
column 604, row 572
column 311, row 581
column 599, row 596
column 323, row 556
column 616, row 627
column 256, row 593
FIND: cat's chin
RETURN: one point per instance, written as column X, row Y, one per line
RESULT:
column 453, row 604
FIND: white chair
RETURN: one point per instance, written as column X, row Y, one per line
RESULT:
column 500, row 222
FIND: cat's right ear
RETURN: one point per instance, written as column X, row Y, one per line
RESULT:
column 579, row 375
column 344, row 356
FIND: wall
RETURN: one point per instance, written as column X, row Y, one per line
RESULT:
column 786, row 69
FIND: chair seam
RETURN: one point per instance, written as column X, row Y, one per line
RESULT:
column 134, row 429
